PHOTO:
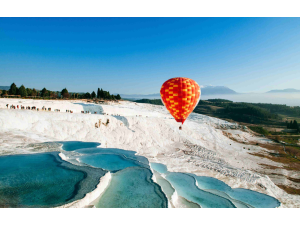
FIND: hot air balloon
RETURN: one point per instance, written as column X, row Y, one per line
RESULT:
column 180, row 95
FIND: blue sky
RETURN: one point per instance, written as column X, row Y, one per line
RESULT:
column 136, row 55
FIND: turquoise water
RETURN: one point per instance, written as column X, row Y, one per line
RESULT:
column 242, row 198
column 237, row 203
column 92, row 108
column 111, row 162
column 74, row 145
column 169, row 191
column 133, row 188
column 124, row 120
column 131, row 185
column 165, row 185
column 186, row 187
column 253, row 198
column 41, row 180
column 211, row 183
column 125, row 153
column 44, row 180
column 186, row 204
column 161, row 168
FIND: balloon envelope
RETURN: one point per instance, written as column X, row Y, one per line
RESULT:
column 180, row 95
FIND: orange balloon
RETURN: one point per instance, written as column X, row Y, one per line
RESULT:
column 180, row 95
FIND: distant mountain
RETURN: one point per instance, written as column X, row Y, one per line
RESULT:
column 205, row 90
column 216, row 90
column 288, row 90
column 4, row 88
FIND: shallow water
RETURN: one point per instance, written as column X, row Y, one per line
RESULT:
column 183, row 203
column 242, row 198
column 170, row 191
column 237, row 203
column 42, row 180
column 165, row 185
column 132, row 188
column 92, row 108
column 211, row 183
column 123, row 119
column 256, row 199
column 111, row 162
column 131, row 185
column 126, row 153
column 75, row 145
column 253, row 198
column 186, row 187
column 161, row 168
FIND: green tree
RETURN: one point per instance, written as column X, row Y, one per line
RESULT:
column 87, row 95
column 295, row 125
column 22, row 91
column 118, row 97
column 34, row 92
column 93, row 95
column 98, row 93
column 13, row 89
column 291, row 125
column 65, row 93
column 29, row 91
column 106, row 95
column 44, row 92
column 18, row 91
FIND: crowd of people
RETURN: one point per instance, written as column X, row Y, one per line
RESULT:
column 34, row 108
column 56, row 110
column 42, row 109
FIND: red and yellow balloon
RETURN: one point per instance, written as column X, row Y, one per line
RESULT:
column 180, row 95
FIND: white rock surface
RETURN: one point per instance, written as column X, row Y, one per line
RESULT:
column 201, row 147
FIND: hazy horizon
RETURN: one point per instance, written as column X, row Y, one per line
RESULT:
column 289, row 99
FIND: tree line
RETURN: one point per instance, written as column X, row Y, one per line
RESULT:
column 150, row 101
column 292, row 125
column 251, row 110
column 242, row 108
column 272, row 108
column 64, row 93
column 280, row 108
column 228, row 107
column 241, row 112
